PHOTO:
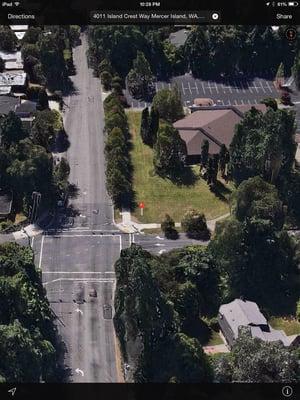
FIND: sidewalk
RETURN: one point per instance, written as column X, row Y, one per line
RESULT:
column 129, row 226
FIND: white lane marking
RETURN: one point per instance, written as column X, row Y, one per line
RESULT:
column 133, row 239
column 41, row 251
column 169, row 85
column 160, row 238
column 255, row 101
column 71, row 236
column 159, row 244
column 79, row 371
column 77, row 272
column 235, row 103
column 162, row 251
column 196, row 86
column 79, row 311
column 130, row 240
column 32, row 241
column 249, row 102
column 190, row 87
column 242, row 101
column 120, row 237
column 97, row 280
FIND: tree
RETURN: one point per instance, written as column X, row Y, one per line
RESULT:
column 30, row 50
column 270, row 102
column 140, row 80
column 168, row 227
column 196, row 50
column 32, row 35
column 263, row 145
column 211, row 173
column 194, row 224
column 169, row 152
column 42, row 103
column 8, row 40
column 223, row 159
column 253, row 360
column 52, row 58
column 257, row 199
column 148, row 327
column 153, row 124
column 11, row 129
column 285, row 98
column 27, row 333
column 62, row 172
column 204, row 153
column 2, row 65
column 168, row 104
column 280, row 72
column 144, row 131
column 187, row 303
column 255, row 261
column 46, row 126
column 106, row 80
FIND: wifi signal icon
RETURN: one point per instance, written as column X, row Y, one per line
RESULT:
column 17, row 4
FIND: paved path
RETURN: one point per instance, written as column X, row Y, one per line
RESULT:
column 129, row 226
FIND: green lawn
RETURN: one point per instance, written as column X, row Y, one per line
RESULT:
column 289, row 325
column 161, row 196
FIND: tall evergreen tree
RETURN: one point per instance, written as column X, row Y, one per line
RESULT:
column 153, row 124
column 204, row 153
column 223, row 159
column 144, row 131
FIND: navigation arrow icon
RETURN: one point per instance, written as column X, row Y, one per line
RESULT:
column 12, row 391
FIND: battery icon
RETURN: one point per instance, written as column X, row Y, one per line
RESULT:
column 293, row 3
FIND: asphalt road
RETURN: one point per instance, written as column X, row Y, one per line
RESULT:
column 75, row 262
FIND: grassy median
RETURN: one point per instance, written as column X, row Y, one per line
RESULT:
column 161, row 196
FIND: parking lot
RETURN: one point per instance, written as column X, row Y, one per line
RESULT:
column 235, row 91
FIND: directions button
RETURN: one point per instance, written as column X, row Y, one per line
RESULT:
column 287, row 391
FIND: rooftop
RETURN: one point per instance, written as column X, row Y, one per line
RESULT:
column 179, row 38
column 246, row 313
column 12, row 78
column 7, row 104
column 216, row 124
column 11, row 55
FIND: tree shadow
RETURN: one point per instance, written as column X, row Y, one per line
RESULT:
column 185, row 177
column 61, row 142
column 220, row 191
column 172, row 234
column 198, row 330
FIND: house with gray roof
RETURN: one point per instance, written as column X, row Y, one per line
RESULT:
column 240, row 313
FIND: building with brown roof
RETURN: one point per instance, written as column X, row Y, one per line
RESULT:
column 215, row 124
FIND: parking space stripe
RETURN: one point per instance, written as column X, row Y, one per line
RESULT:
column 183, row 88
column 190, row 87
column 236, row 87
column 267, row 83
column 262, row 86
column 203, row 88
